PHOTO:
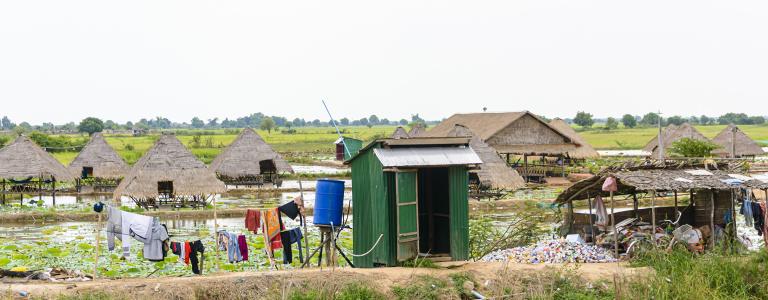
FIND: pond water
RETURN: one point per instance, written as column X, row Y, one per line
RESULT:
column 294, row 184
column 318, row 169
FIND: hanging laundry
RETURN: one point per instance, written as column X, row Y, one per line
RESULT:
column 757, row 216
column 764, row 224
column 272, row 222
column 228, row 242
column 243, row 246
column 601, row 213
column 252, row 220
column 155, row 248
column 746, row 210
column 129, row 225
column 187, row 252
column 290, row 237
column 609, row 185
column 197, row 264
column 290, row 209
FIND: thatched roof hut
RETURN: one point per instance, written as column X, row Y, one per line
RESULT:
column 249, row 155
column 672, row 134
column 100, row 159
column 417, row 130
column 168, row 161
column 732, row 139
column 23, row 158
column 399, row 133
column 583, row 149
column 493, row 172
column 513, row 133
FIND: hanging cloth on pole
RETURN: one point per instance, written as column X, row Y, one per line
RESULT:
column 601, row 213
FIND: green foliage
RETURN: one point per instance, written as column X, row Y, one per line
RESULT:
column 524, row 227
column 611, row 124
column 458, row 280
column 267, row 124
column 4, row 139
column 677, row 120
column 688, row 147
column 423, row 287
column 583, row 119
column 629, row 121
column 419, row 263
column 650, row 119
column 58, row 143
column 90, row 125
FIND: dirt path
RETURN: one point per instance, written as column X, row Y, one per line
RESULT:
column 262, row 283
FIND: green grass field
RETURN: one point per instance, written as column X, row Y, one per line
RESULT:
column 308, row 143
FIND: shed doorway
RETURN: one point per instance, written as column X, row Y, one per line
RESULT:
column 434, row 212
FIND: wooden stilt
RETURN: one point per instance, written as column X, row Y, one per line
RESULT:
column 636, row 213
column 712, row 219
column 96, row 251
column 570, row 216
column 591, row 221
column 676, row 210
column 215, row 232
column 653, row 213
column 53, row 192
column 3, row 194
column 615, row 232
column 733, row 219
column 304, row 218
column 525, row 167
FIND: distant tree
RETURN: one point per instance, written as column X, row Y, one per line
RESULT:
column 373, row 120
column 611, row 123
column 344, row 121
column 90, row 125
column 316, row 122
column 757, row 120
column 129, row 125
column 403, row 122
column 733, row 118
column 583, row 119
column 629, row 121
column 364, row 121
column 7, row 124
column 267, row 124
column 49, row 127
column 213, row 123
column 197, row 123
column 111, row 125
column 650, row 119
column 704, row 120
column 385, row 121
column 694, row 120
column 677, row 120
column 688, row 147
column 417, row 119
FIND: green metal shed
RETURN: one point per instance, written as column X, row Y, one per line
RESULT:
column 353, row 146
column 410, row 197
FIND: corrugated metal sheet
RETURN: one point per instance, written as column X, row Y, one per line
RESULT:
column 424, row 157
column 458, row 178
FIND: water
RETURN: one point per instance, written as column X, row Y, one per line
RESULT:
column 633, row 152
column 318, row 170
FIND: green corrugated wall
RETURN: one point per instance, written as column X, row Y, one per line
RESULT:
column 459, row 211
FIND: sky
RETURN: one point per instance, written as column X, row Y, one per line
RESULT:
column 61, row 61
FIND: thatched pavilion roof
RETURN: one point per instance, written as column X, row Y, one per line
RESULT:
column 583, row 149
column 667, row 176
column 671, row 134
column 106, row 163
column 169, row 160
column 23, row 158
column 745, row 146
column 399, row 133
column 493, row 172
column 242, row 157
column 416, row 131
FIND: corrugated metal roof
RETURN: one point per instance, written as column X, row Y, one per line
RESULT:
column 437, row 156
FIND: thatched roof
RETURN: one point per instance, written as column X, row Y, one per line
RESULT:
column 106, row 163
column 532, row 136
column 399, row 133
column 169, row 160
column 242, row 157
column 493, row 172
column 667, row 176
column 416, row 131
column 745, row 146
column 23, row 158
column 671, row 134
column 583, row 149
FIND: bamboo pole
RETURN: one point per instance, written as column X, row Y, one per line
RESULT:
column 570, row 216
column 96, row 252
column 304, row 218
column 615, row 232
column 215, row 232
column 267, row 242
column 712, row 219
column 676, row 210
column 591, row 222
column 653, row 213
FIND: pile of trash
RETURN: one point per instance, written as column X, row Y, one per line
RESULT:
column 553, row 252
column 50, row 274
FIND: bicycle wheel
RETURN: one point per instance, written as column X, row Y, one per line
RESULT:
column 638, row 248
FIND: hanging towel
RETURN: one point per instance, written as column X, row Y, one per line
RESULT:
column 252, row 220
column 290, row 209
column 187, row 251
column 746, row 210
column 154, row 247
column 128, row 225
column 601, row 213
column 272, row 222
column 243, row 246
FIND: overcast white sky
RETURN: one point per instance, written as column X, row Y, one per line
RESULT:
column 123, row 60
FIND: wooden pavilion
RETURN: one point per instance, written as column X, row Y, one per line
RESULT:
column 250, row 161
column 734, row 143
column 98, row 165
column 25, row 168
column 671, row 134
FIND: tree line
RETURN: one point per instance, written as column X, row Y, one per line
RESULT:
column 651, row 119
column 255, row 120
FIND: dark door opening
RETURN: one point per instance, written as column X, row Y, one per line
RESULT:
column 165, row 188
column 268, row 169
column 87, row 172
column 434, row 211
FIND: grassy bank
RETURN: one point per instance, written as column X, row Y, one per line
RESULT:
column 636, row 138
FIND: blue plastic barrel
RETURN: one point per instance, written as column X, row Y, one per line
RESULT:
column 329, row 202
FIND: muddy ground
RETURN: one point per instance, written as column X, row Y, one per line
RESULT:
column 491, row 277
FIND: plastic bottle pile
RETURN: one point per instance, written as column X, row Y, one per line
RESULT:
column 553, row 252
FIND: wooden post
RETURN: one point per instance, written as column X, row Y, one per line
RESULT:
column 304, row 218
column 53, row 192
column 215, row 232
column 525, row 166
column 734, row 232
column 712, row 219
column 96, row 252
column 591, row 222
column 653, row 213
column 676, row 210
column 3, row 194
column 615, row 232
column 635, row 204
column 570, row 216
column 40, row 188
